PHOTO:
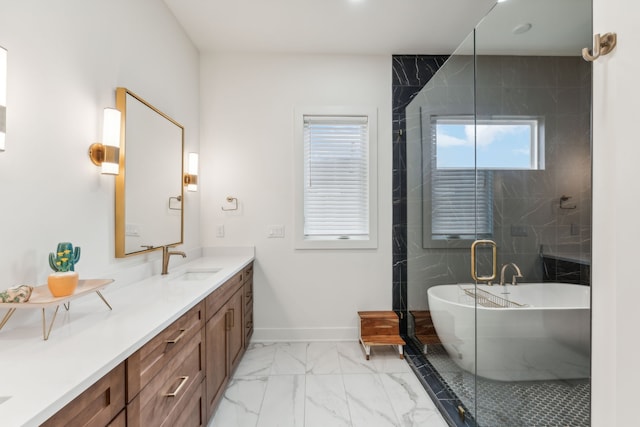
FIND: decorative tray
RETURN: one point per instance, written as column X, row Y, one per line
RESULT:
column 42, row 298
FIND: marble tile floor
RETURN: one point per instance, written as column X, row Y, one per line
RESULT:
column 324, row 384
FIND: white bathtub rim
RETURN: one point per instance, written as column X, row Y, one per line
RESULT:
column 432, row 294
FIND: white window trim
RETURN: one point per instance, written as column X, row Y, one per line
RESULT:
column 300, row 242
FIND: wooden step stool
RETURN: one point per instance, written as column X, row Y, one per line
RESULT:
column 380, row 328
column 424, row 330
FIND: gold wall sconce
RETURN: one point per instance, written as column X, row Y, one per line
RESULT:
column 107, row 153
column 3, row 96
column 191, row 177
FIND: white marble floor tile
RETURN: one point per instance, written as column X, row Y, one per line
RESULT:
column 290, row 358
column 240, row 405
column 387, row 359
column 411, row 403
column 322, row 358
column 324, row 384
column 283, row 404
column 368, row 402
column 326, row 402
column 353, row 360
column 257, row 361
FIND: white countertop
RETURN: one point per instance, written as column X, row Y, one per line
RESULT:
column 41, row 377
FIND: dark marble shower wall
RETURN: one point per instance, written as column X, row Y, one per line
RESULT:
column 410, row 74
column 555, row 88
column 527, row 214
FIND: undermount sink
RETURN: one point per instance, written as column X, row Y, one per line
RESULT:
column 197, row 275
column 4, row 399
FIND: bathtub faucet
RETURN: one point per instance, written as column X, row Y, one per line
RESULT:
column 516, row 276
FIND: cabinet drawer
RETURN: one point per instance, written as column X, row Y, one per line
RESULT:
column 171, row 389
column 248, row 272
column 248, row 293
column 192, row 414
column 97, row 406
column 146, row 363
column 220, row 296
column 248, row 325
column 120, row 420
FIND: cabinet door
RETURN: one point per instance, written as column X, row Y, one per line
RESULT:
column 235, row 308
column 217, row 362
column 97, row 406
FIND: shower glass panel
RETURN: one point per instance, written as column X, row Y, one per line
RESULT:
column 533, row 361
column 441, row 211
column 499, row 149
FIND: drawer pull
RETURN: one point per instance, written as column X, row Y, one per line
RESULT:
column 178, row 338
column 233, row 318
column 183, row 381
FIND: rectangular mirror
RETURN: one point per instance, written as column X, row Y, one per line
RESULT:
column 3, row 96
column 149, row 210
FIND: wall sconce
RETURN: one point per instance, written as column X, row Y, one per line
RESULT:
column 107, row 153
column 3, row 97
column 191, row 177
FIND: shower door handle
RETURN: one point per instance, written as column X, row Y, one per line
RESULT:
column 474, row 263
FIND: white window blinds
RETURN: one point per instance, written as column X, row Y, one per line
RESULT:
column 336, row 176
column 461, row 204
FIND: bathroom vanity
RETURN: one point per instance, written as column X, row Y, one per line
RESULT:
column 163, row 356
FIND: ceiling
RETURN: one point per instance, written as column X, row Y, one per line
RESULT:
column 558, row 27
column 329, row 26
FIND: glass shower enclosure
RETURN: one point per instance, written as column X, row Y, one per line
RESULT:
column 499, row 220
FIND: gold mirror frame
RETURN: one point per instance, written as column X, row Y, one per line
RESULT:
column 172, row 199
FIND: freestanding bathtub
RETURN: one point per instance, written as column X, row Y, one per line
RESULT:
column 544, row 335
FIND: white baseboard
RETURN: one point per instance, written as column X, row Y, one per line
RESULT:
column 304, row 334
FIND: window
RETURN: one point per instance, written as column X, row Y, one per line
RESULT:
column 336, row 179
column 494, row 143
column 461, row 194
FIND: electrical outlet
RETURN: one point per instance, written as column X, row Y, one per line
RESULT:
column 275, row 231
column 220, row 231
column 519, row 231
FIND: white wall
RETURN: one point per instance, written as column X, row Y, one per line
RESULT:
column 616, row 198
column 247, row 149
column 66, row 59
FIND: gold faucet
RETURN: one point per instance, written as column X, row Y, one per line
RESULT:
column 166, row 253
column 516, row 276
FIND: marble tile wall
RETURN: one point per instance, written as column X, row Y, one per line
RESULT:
column 526, row 207
column 410, row 75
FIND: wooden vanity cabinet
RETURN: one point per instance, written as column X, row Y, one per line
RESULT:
column 165, row 376
column 98, row 406
column 180, row 375
column 248, row 304
column 225, row 334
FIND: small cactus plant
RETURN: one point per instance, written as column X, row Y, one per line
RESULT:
column 65, row 258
